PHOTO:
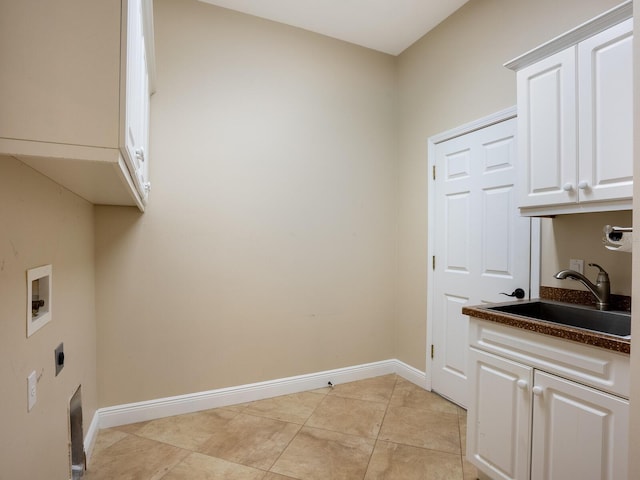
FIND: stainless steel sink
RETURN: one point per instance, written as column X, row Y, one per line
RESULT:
column 609, row 322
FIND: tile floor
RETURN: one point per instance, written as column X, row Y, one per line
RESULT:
column 374, row 429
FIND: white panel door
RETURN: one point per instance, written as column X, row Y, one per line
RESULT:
column 499, row 441
column 481, row 243
column 547, row 130
column 578, row 432
column 605, row 81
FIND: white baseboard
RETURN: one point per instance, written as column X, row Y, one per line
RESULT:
column 92, row 435
column 411, row 374
column 194, row 402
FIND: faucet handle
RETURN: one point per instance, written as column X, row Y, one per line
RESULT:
column 602, row 274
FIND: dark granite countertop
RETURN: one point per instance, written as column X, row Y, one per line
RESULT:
column 589, row 337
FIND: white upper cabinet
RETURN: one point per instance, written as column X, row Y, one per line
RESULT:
column 74, row 90
column 547, row 149
column 575, row 119
column 135, row 134
column 605, row 116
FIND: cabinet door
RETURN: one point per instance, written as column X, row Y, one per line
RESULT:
column 547, row 131
column 499, row 416
column 605, row 79
column 578, row 432
column 136, row 98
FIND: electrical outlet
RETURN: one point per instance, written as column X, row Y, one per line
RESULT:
column 32, row 391
column 576, row 265
column 59, row 358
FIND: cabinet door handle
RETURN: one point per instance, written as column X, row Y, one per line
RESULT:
column 522, row 384
column 583, row 185
column 537, row 390
column 567, row 187
column 140, row 154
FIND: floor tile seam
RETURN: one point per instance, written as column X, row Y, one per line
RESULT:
column 306, row 423
column 171, row 469
column 189, row 453
column 384, row 416
column 333, row 431
column 271, row 418
column 114, row 443
column 217, row 458
column 336, row 431
column 423, row 409
column 418, row 447
column 284, row 450
column 251, row 466
column 386, row 411
column 359, row 399
column 427, row 410
column 462, row 455
column 163, row 442
column 373, row 450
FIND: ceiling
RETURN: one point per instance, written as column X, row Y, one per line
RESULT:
column 389, row 26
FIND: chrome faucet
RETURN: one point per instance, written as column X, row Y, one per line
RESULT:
column 601, row 290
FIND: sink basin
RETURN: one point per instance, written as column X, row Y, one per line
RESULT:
column 612, row 323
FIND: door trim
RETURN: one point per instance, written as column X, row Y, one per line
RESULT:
column 534, row 280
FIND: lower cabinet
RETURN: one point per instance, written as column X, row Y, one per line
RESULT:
column 499, row 416
column 525, row 423
column 578, row 432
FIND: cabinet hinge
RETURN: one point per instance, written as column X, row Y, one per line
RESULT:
column 432, row 351
column 433, row 262
column 434, row 172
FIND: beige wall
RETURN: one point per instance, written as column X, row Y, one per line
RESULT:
column 452, row 76
column 42, row 223
column 269, row 245
column 580, row 236
column 290, row 176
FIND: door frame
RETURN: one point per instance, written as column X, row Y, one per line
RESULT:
column 534, row 272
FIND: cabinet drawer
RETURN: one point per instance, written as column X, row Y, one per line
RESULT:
column 596, row 367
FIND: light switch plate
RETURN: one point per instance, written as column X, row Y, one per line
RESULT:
column 32, row 391
column 576, row 265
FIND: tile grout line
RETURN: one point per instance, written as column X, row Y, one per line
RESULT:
column 196, row 451
column 294, row 437
column 375, row 445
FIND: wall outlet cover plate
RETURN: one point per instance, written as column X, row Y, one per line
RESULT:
column 32, row 390
column 59, row 358
column 576, row 265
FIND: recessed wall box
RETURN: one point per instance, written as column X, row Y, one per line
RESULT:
column 39, row 298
